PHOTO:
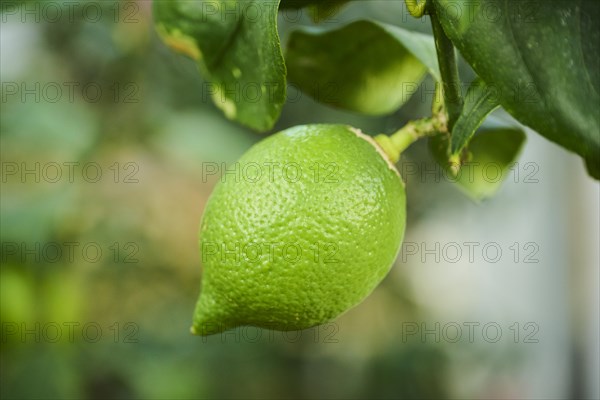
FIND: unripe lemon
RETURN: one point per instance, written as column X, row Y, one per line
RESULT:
column 301, row 229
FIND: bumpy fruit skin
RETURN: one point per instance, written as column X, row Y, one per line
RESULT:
column 303, row 228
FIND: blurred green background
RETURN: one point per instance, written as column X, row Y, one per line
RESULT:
column 104, row 132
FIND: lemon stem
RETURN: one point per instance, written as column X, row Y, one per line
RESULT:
column 399, row 141
column 446, row 56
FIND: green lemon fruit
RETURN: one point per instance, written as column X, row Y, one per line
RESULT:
column 300, row 229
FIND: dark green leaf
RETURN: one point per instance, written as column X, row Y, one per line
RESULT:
column 364, row 66
column 542, row 57
column 479, row 102
column 492, row 155
column 236, row 46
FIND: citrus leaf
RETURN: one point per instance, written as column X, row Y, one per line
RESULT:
column 492, row 155
column 236, row 46
column 543, row 58
column 296, row 4
column 320, row 10
column 479, row 102
column 365, row 66
column 324, row 10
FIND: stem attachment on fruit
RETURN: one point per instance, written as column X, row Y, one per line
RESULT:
column 446, row 56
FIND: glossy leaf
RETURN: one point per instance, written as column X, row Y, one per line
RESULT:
column 365, row 66
column 492, row 154
column 480, row 100
column 236, row 46
column 542, row 57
